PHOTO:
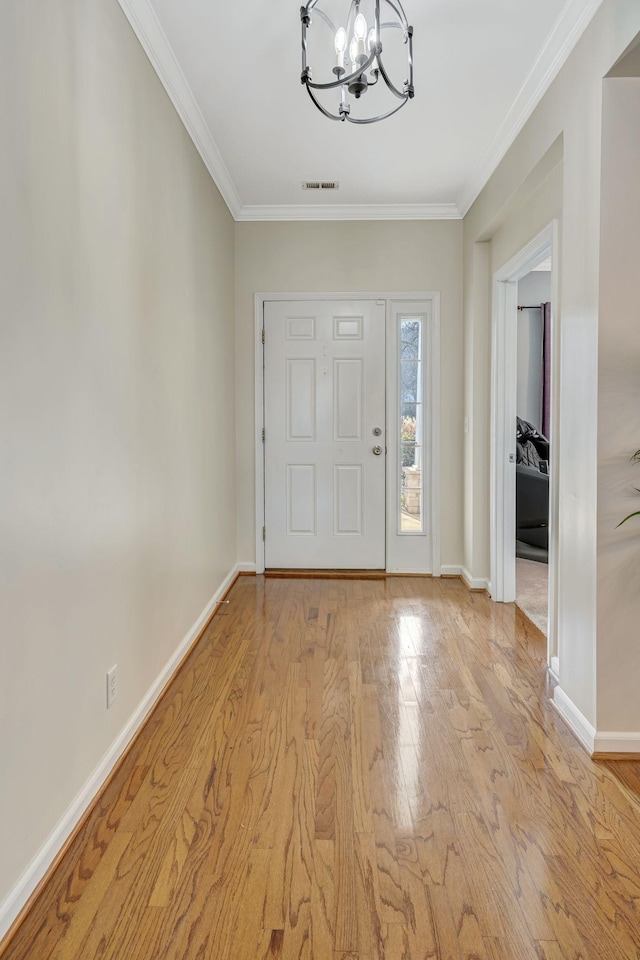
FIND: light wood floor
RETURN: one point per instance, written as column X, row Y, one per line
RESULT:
column 354, row 770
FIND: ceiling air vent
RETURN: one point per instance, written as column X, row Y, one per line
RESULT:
column 320, row 185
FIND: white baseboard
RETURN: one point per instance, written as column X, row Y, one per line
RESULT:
column 575, row 720
column 453, row 570
column 19, row 895
column 245, row 568
column 593, row 740
column 617, row 742
column 473, row 582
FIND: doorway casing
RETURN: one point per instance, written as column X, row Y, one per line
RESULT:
column 396, row 302
column 503, row 418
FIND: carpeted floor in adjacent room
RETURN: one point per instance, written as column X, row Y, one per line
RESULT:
column 532, row 591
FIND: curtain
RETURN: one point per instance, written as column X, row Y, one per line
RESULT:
column 545, row 312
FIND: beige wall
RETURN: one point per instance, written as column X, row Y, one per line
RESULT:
column 619, row 410
column 569, row 115
column 117, row 502
column 343, row 257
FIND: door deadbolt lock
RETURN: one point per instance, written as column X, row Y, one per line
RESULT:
column 377, row 431
column 377, row 450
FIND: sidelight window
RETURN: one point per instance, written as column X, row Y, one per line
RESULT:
column 411, row 426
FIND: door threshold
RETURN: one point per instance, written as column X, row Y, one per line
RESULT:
column 325, row 574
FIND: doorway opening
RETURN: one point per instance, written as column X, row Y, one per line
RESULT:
column 524, row 461
column 533, row 449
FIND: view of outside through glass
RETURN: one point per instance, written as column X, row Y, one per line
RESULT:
column 411, row 412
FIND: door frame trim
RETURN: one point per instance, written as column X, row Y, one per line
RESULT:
column 259, row 301
column 503, row 414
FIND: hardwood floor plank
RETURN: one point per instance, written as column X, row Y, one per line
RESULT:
column 249, row 933
column 165, row 886
column 346, row 920
column 419, row 922
column 325, row 820
column 310, row 908
column 360, row 707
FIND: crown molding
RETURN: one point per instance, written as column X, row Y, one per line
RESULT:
column 574, row 19
column 155, row 44
column 339, row 211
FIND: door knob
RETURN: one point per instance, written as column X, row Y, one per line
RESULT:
column 377, row 450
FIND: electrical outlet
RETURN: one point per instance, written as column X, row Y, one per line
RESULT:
column 112, row 685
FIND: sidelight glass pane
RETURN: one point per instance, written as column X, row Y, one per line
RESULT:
column 410, row 339
column 410, row 452
column 409, row 381
column 411, row 514
column 411, row 426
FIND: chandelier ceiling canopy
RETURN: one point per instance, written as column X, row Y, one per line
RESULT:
column 352, row 50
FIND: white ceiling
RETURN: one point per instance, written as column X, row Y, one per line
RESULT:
column 232, row 69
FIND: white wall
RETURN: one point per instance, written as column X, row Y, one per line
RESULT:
column 569, row 114
column 117, row 487
column 342, row 257
column 533, row 289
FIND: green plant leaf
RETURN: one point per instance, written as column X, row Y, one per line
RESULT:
column 636, row 514
column 634, row 458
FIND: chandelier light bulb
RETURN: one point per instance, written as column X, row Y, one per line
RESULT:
column 341, row 46
column 353, row 53
column 360, row 35
column 360, row 28
column 372, row 39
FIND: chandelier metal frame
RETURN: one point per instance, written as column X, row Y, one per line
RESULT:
column 357, row 82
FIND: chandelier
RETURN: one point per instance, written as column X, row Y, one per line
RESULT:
column 358, row 64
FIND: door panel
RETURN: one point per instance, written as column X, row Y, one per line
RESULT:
column 347, row 402
column 347, row 499
column 301, row 499
column 301, row 400
column 324, row 395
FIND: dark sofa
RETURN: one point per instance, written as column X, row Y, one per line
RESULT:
column 532, row 493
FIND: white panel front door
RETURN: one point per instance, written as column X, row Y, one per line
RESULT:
column 324, row 385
